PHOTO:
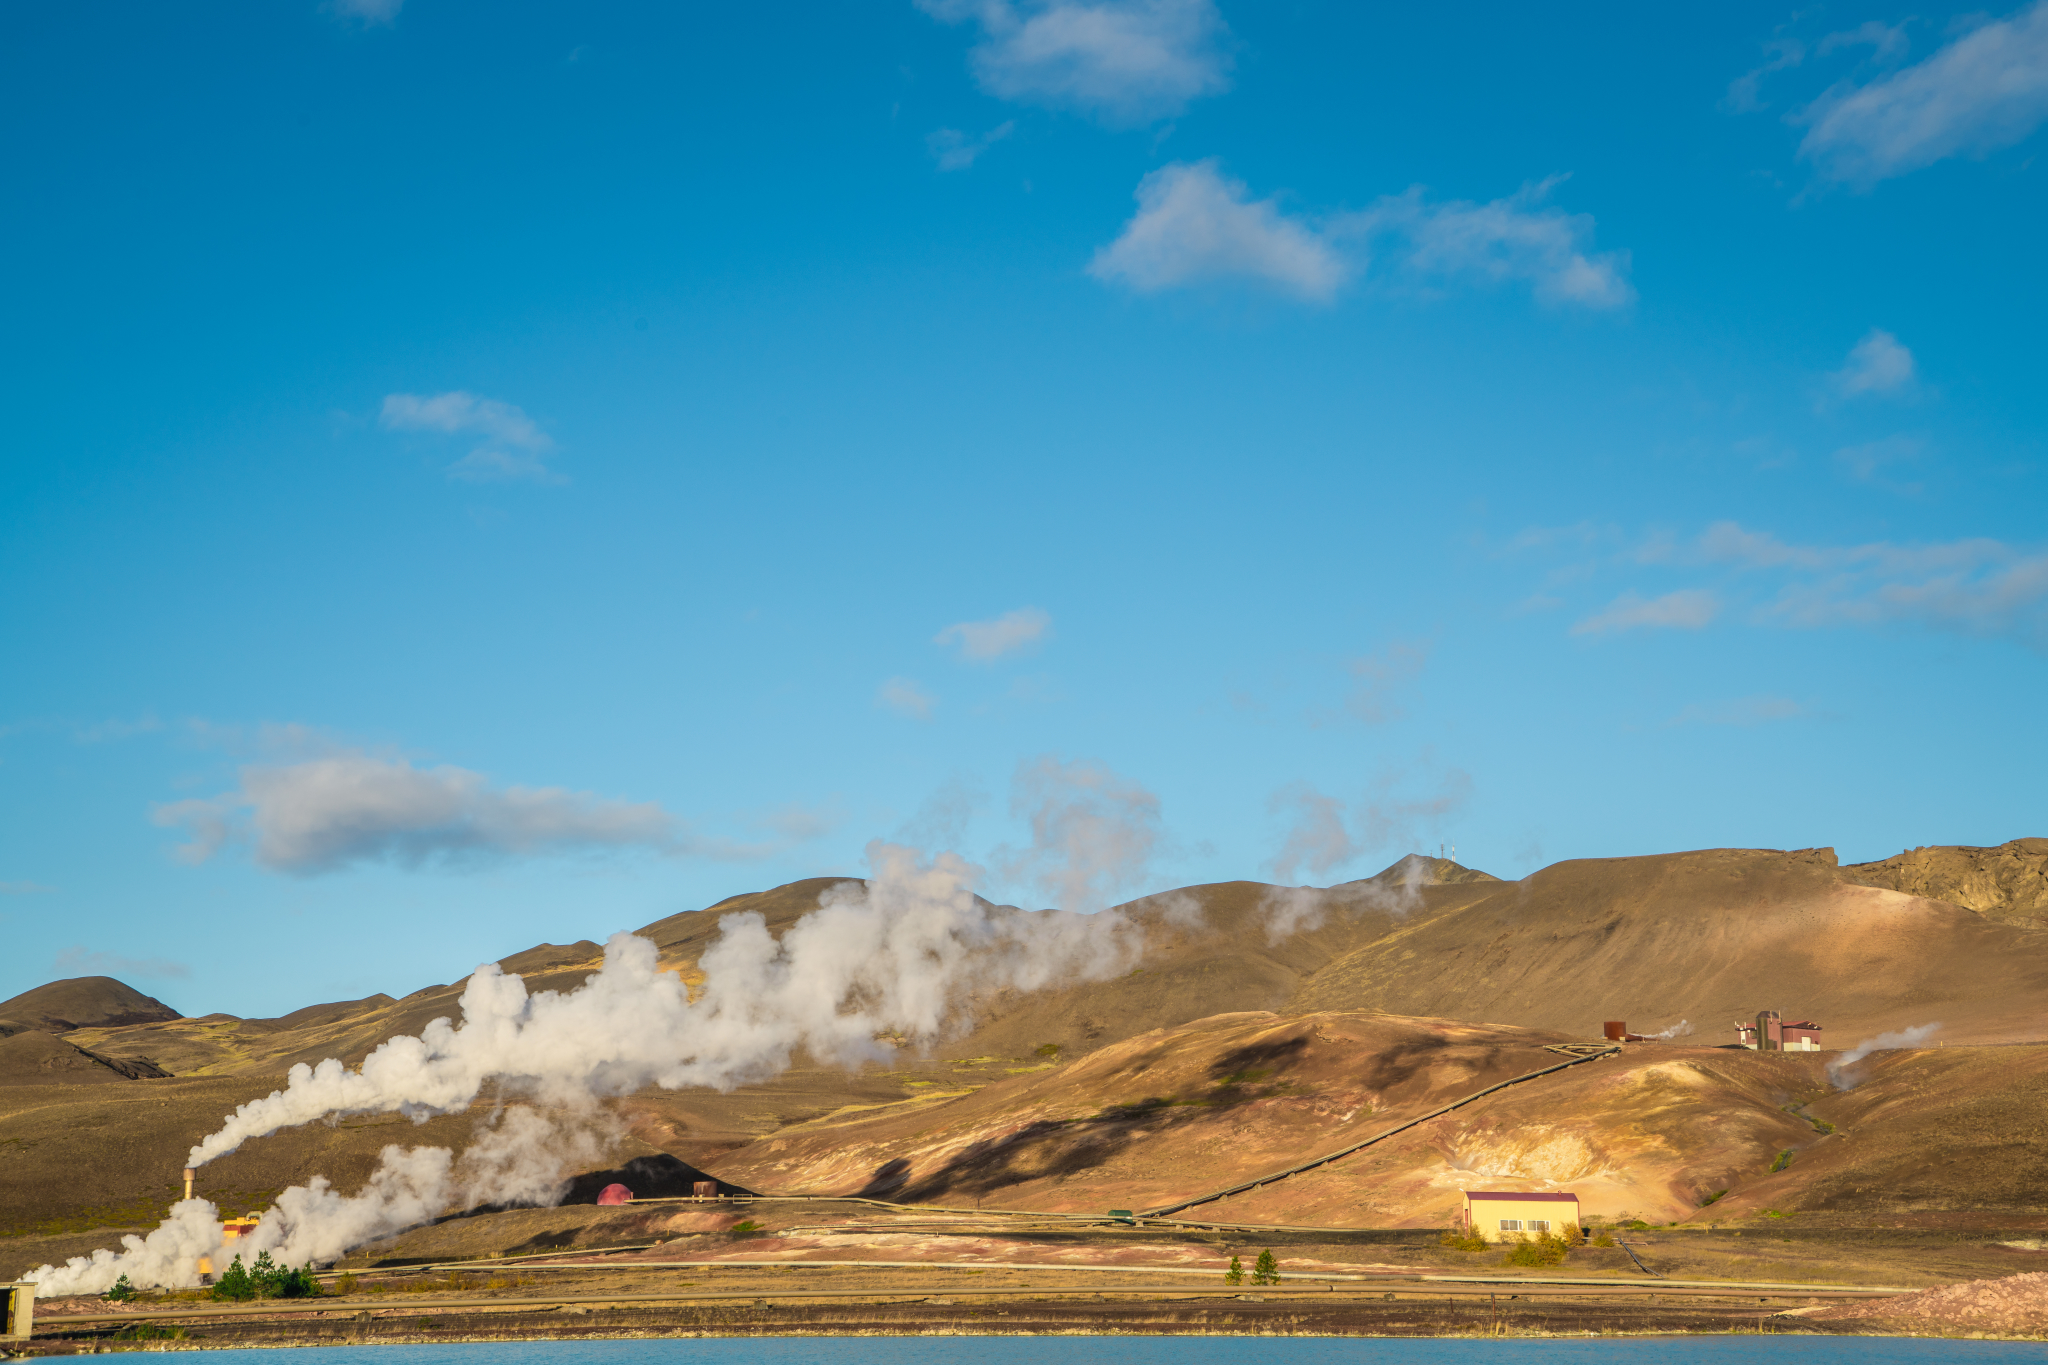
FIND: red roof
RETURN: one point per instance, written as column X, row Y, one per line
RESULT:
column 1510, row 1194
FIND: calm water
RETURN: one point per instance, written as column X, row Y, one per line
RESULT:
column 1173, row 1351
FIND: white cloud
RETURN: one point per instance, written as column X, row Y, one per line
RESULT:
column 369, row 11
column 983, row 641
column 1517, row 238
column 1744, row 711
column 906, row 698
column 76, row 961
column 1885, row 41
column 955, row 151
column 1686, row 609
column 350, row 807
column 1977, row 586
column 1877, row 364
column 1195, row 224
column 514, row 448
column 1985, row 90
column 1125, row 61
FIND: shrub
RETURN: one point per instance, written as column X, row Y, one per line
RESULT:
column 1784, row 1160
column 266, row 1280
column 121, row 1292
column 1266, row 1270
column 1603, row 1240
column 1465, row 1240
column 1049, row 1051
column 1234, row 1275
column 1547, row 1249
column 746, row 1227
column 1717, row 1194
column 346, row 1284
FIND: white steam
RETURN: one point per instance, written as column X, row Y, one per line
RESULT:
column 1682, row 1029
column 1291, row 910
column 897, row 958
column 1840, row 1072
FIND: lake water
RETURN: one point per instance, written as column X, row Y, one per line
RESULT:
column 1729, row 1350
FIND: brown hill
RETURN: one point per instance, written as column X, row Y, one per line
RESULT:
column 2009, row 882
column 1662, row 1132
column 81, row 1002
column 1710, row 937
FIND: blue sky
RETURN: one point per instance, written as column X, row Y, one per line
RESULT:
column 492, row 474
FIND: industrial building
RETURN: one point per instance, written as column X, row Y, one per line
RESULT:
column 1770, row 1033
column 17, row 1311
column 1512, row 1216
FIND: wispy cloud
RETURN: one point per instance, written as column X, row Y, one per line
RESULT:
column 1686, row 609
column 78, row 961
column 1194, row 224
column 1877, row 364
column 1519, row 238
column 984, row 641
column 1325, row 833
column 369, row 12
column 1976, row 586
column 514, row 446
column 956, row 151
column 1985, row 90
column 906, row 697
column 348, row 807
column 1743, row 712
column 1867, row 462
column 1126, row 62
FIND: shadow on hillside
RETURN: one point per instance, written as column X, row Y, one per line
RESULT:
column 1047, row 1148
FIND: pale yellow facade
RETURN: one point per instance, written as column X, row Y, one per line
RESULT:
column 1505, row 1216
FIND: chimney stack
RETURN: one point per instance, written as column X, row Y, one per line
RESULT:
column 189, row 1173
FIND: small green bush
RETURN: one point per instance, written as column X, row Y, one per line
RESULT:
column 1604, row 1240
column 1784, row 1160
column 1717, row 1194
column 1049, row 1051
column 1266, row 1270
column 266, row 1280
column 1234, row 1275
column 121, row 1292
column 1464, row 1240
column 746, row 1227
column 1547, row 1249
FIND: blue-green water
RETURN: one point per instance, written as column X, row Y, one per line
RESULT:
column 1730, row 1350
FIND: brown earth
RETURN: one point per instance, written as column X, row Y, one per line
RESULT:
column 1481, row 973
column 2009, row 882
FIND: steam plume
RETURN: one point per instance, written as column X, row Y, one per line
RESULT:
column 1682, row 1029
column 899, row 956
column 1291, row 910
column 1840, row 1070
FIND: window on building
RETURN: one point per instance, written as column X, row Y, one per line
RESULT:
column 1510, row 1225
column 1538, row 1225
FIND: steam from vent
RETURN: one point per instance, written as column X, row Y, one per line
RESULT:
column 900, row 957
column 521, row 1158
column 1682, row 1029
column 1840, row 1071
column 1291, row 910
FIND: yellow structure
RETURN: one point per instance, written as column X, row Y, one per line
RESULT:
column 236, row 1229
column 1511, row 1216
column 17, row 1311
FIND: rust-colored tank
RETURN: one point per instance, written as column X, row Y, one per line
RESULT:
column 615, row 1194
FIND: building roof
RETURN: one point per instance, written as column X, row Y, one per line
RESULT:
column 1512, row 1194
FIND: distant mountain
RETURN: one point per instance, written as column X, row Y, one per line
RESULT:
column 81, row 1002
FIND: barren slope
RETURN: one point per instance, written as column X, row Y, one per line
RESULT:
column 1710, row 937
